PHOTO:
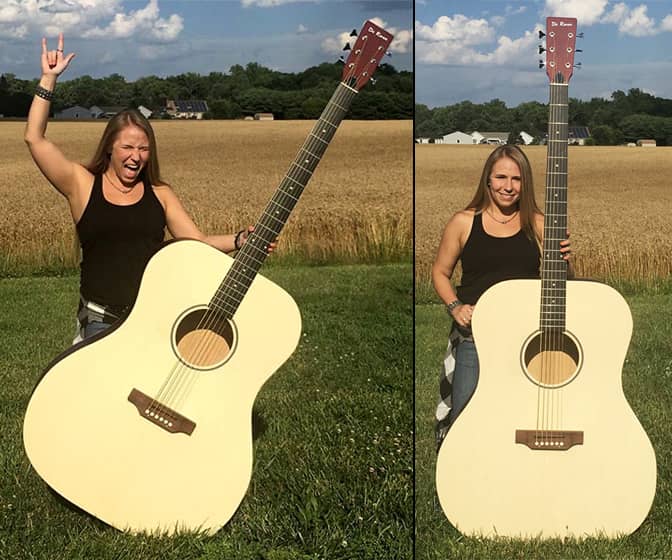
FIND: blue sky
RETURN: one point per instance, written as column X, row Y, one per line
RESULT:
column 168, row 37
column 481, row 50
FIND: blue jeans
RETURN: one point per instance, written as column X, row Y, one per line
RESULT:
column 94, row 327
column 465, row 377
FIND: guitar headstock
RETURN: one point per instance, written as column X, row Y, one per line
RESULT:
column 560, row 48
column 371, row 45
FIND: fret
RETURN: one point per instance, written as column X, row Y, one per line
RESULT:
column 311, row 153
column 320, row 139
column 303, row 168
column 335, row 126
column 274, row 217
column 289, row 195
column 341, row 108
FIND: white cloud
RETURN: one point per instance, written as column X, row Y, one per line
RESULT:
column 402, row 39
column 302, row 29
column 587, row 12
column 140, row 22
column 457, row 40
column 511, row 10
column 633, row 22
column 456, row 29
column 269, row 3
column 86, row 18
column 666, row 24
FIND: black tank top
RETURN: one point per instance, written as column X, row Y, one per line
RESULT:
column 487, row 260
column 117, row 241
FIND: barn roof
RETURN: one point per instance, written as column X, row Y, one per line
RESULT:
column 191, row 106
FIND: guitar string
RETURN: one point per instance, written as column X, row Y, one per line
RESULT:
column 553, row 345
column 173, row 382
column 311, row 146
column 181, row 384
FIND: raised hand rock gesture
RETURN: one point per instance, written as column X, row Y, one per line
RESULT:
column 54, row 62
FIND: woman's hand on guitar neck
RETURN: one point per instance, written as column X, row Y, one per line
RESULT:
column 462, row 314
column 565, row 249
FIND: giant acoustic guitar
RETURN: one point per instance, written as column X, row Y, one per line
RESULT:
column 148, row 427
column 548, row 446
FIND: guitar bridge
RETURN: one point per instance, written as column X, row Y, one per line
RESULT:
column 161, row 415
column 549, row 440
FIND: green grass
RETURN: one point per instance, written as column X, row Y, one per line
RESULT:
column 333, row 462
column 647, row 380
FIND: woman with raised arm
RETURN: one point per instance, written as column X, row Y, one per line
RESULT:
column 119, row 203
column 496, row 237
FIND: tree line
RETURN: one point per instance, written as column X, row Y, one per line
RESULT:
column 243, row 91
column 626, row 117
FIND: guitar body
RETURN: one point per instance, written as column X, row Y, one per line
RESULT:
column 92, row 445
column 491, row 486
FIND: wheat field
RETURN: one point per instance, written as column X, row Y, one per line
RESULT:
column 620, row 206
column 357, row 207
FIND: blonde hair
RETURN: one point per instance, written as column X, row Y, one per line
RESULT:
column 527, row 204
column 101, row 158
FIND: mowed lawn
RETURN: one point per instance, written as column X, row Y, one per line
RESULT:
column 333, row 474
column 647, row 377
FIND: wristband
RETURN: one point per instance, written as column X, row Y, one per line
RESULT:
column 237, row 239
column 453, row 304
column 44, row 93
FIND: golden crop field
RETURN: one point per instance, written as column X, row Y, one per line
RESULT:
column 357, row 207
column 620, row 205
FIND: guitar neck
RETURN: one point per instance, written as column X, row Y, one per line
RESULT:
column 253, row 253
column 554, row 267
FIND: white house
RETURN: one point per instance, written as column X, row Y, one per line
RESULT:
column 76, row 112
column 456, row 137
column 145, row 111
column 490, row 137
column 526, row 137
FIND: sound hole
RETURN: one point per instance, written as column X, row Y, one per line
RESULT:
column 203, row 339
column 551, row 358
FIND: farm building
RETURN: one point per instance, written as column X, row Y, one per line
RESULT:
column 263, row 116
column 77, row 112
column 577, row 135
column 490, row 137
column 106, row 112
column 186, row 109
column 424, row 140
column 526, row 138
column 456, row 138
column 646, row 143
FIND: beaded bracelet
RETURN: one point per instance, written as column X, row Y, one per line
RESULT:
column 44, row 93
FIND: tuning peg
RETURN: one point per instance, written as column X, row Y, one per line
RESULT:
column 388, row 53
column 341, row 60
column 541, row 49
column 541, row 64
column 541, row 34
column 579, row 35
column 347, row 47
column 578, row 50
column 578, row 65
column 372, row 80
column 354, row 33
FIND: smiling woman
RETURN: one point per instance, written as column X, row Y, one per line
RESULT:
column 119, row 203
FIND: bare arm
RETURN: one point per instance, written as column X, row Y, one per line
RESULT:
column 447, row 256
column 180, row 225
column 64, row 174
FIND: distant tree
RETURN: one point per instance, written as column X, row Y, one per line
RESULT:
column 605, row 135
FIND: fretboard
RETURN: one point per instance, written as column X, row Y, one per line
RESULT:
column 554, row 267
column 249, row 259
